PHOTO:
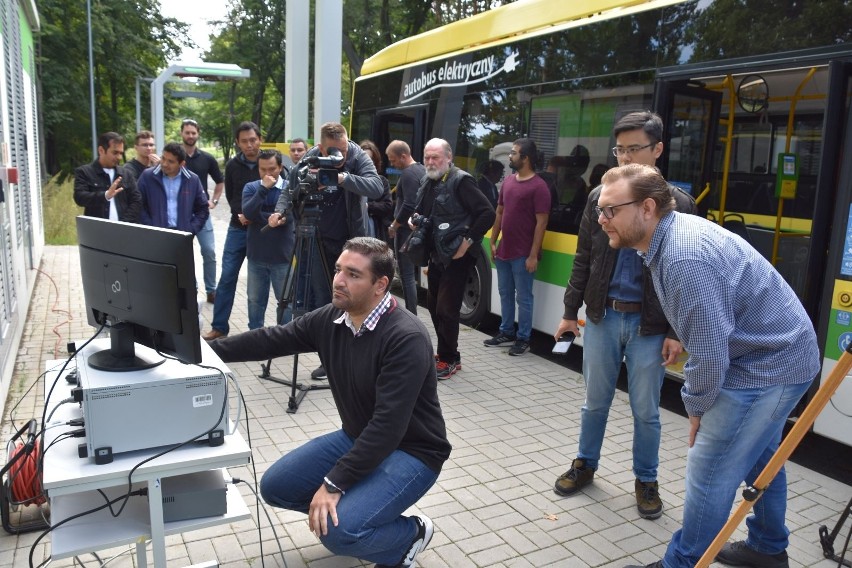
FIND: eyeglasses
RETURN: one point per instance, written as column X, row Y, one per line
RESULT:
column 621, row 150
column 608, row 211
column 188, row 121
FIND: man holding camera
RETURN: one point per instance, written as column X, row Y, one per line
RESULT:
column 460, row 215
column 354, row 483
column 341, row 212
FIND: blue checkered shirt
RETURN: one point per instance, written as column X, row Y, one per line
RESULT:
column 370, row 321
column 741, row 323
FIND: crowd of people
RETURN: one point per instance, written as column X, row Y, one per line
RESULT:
column 655, row 280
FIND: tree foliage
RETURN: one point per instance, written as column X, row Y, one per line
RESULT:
column 130, row 39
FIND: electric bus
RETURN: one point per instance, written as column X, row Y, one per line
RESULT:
column 755, row 98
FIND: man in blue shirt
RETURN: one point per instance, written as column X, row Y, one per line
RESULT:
column 752, row 355
column 623, row 322
column 269, row 250
column 172, row 196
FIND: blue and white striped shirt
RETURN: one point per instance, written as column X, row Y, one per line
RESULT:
column 741, row 323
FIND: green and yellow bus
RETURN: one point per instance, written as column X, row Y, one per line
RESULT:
column 755, row 96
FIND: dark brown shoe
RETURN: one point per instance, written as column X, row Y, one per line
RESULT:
column 574, row 479
column 648, row 499
column 211, row 297
column 213, row 334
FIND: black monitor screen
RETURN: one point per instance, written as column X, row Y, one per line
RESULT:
column 140, row 281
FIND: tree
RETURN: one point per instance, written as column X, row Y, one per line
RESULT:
column 130, row 39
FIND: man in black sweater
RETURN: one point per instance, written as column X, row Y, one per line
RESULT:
column 356, row 482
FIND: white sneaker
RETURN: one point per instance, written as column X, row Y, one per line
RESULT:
column 425, row 530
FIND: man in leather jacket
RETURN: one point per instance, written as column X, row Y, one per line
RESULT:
column 460, row 215
column 103, row 188
column 624, row 321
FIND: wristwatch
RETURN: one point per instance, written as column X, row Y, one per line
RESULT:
column 215, row 202
column 331, row 487
column 344, row 178
column 469, row 240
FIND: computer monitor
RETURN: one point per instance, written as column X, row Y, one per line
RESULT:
column 140, row 282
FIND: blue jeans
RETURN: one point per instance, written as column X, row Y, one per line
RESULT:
column 407, row 271
column 262, row 275
column 233, row 255
column 514, row 282
column 735, row 440
column 604, row 346
column 208, row 254
column 370, row 523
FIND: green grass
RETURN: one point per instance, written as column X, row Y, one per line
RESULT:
column 60, row 211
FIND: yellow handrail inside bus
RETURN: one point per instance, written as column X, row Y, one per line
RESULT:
column 728, row 140
column 703, row 193
column 790, row 119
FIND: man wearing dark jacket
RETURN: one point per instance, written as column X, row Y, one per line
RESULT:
column 240, row 170
column 105, row 189
column 354, row 483
column 342, row 214
column 460, row 215
column 624, row 321
column 172, row 196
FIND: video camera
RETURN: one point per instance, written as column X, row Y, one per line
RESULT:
column 307, row 185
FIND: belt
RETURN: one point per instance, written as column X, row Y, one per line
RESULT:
column 626, row 307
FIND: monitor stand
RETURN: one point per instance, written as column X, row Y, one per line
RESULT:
column 121, row 356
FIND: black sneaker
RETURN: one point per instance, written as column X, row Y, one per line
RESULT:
column 738, row 554
column 425, row 529
column 319, row 374
column 499, row 340
column 574, row 479
column 519, row 348
column 657, row 564
column 648, row 499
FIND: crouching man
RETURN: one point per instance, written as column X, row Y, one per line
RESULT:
column 355, row 483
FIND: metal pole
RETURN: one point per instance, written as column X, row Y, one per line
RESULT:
column 138, row 107
column 92, row 83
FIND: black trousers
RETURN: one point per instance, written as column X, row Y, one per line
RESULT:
column 444, row 300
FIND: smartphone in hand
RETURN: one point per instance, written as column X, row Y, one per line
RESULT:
column 564, row 342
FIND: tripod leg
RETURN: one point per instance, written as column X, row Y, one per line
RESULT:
column 827, row 540
column 797, row 432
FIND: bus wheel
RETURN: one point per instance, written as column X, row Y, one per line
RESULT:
column 477, row 292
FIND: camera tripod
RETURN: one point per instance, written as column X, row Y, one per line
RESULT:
column 826, row 539
column 307, row 237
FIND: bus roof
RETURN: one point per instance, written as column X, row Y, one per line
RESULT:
column 511, row 21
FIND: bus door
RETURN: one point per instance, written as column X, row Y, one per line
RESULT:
column 404, row 123
column 835, row 322
column 690, row 117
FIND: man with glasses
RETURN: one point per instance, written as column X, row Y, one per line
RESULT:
column 624, row 321
column 146, row 157
column 204, row 165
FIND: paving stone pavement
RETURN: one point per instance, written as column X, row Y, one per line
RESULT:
column 514, row 426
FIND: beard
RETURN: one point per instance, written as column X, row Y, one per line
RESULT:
column 435, row 173
column 627, row 238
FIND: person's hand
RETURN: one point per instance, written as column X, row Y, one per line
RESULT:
column 243, row 219
column 565, row 326
column 531, row 264
column 694, row 424
column 392, row 230
column 276, row 220
column 153, row 160
column 493, row 250
column 268, row 181
column 323, row 505
column 672, row 349
column 465, row 244
column 114, row 188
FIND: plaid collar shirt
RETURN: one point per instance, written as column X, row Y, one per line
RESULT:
column 370, row 321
